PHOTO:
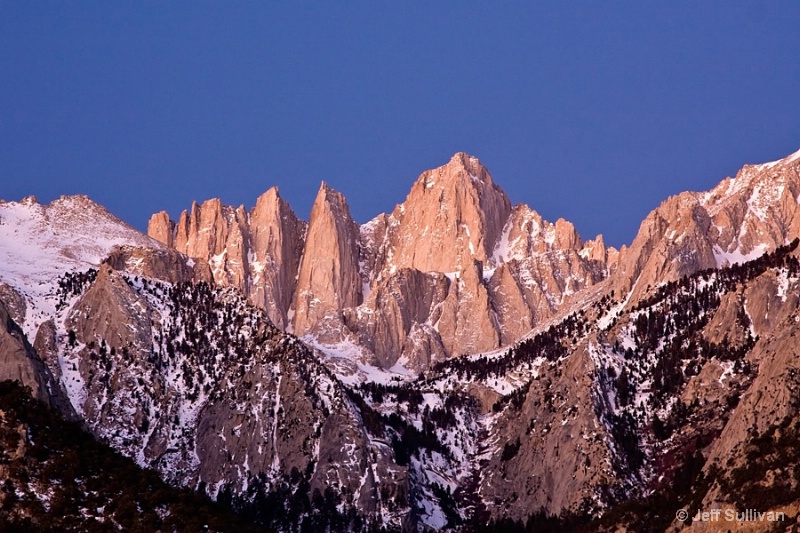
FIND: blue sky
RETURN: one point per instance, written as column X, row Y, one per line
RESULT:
column 591, row 111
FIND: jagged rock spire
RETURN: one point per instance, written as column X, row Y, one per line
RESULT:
column 328, row 279
column 453, row 215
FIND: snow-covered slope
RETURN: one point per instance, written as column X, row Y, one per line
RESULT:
column 39, row 243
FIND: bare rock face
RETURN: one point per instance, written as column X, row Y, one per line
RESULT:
column 510, row 268
column 14, row 302
column 328, row 280
column 549, row 456
column 110, row 314
column 454, row 264
column 110, row 309
column 467, row 324
column 257, row 252
column 163, row 264
column 391, row 321
column 375, row 247
column 276, row 240
column 46, row 346
column 452, row 216
column 217, row 234
column 510, row 302
column 232, row 405
column 203, row 230
column 671, row 242
column 423, row 347
column 540, row 266
column 772, row 396
column 725, row 326
column 757, row 210
column 162, row 228
column 595, row 250
column 740, row 219
column 18, row 360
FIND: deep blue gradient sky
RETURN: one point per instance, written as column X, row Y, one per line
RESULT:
column 591, row 111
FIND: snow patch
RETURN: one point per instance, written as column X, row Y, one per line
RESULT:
column 724, row 258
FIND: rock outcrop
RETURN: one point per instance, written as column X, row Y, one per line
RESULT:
column 551, row 457
column 14, row 303
column 164, row 264
column 19, row 361
column 112, row 311
column 328, row 279
column 258, row 252
column 195, row 383
column 739, row 219
column 162, row 228
column 453, row 216
column 402, row 303
column 217, row 234
column 673, row 393
column 276, row 240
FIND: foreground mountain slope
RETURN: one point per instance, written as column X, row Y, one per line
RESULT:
column 57, row 477
column 576, row 420
column 197, row 384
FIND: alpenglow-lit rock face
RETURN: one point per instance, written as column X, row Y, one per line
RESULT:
column 493, row 271
column 738, row 220
column 328, row 280
column 258, row 252
column 453, row 216
column 453, row 269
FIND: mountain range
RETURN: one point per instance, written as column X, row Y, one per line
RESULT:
column 458, row 364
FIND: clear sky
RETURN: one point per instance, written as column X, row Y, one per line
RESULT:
column 591, row 111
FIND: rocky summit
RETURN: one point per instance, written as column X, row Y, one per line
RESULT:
column 454, row 269
column 458, row 364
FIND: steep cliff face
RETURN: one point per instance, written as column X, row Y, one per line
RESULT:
column 402, row 304
column 456, row 223
column 328, row 279
column 467, row 324
column 453, row 216
column 680, row 395
column 197, row 384
column 39, row 243
column 672, row 241
column 276, row 240
column 162, row 228
column 551, row 453
column 547, row 262
column 258, row 253
column 740, row 219
column 18, row 361
column 508, row 268
column 164, row 264
column 773, row 302
column 217, row 234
